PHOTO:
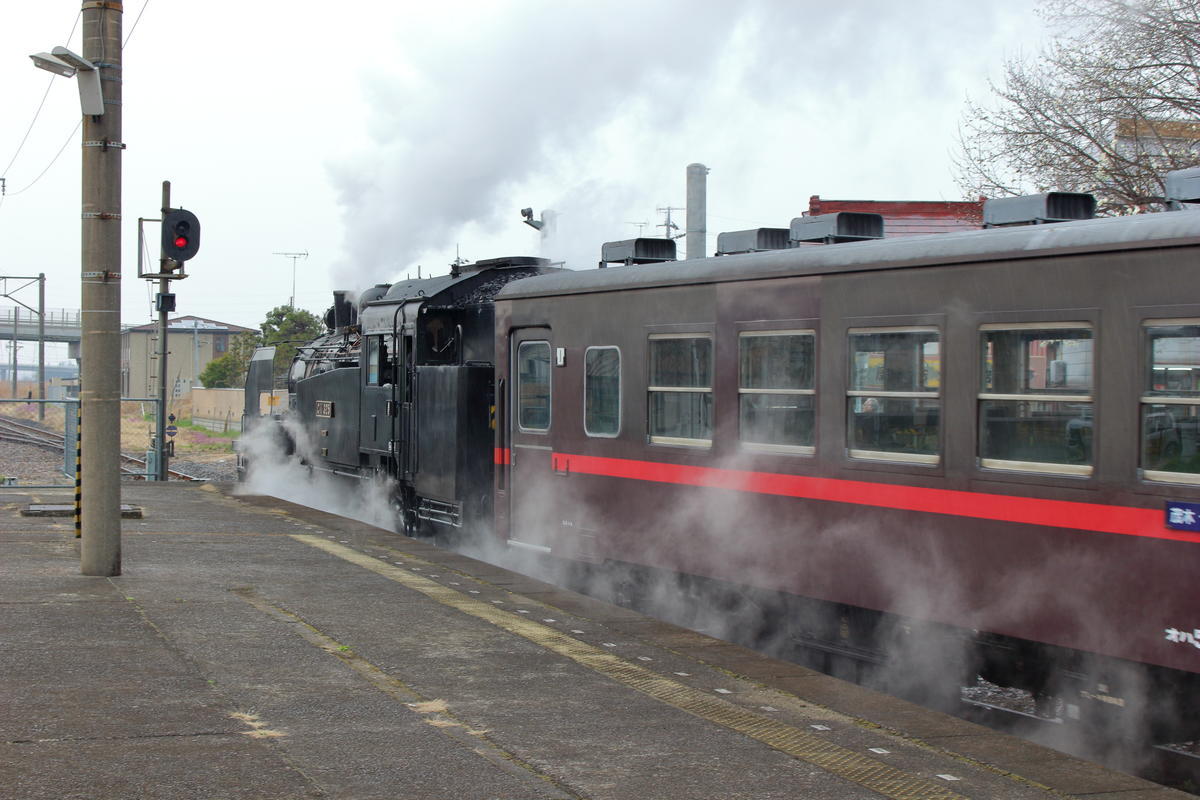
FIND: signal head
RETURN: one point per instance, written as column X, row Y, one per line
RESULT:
column 180, row 234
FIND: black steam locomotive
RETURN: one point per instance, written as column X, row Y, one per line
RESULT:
column 401, row 388
column 989, row 438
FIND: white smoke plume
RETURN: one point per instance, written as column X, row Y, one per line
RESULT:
column 595, row 109
column 275, row 471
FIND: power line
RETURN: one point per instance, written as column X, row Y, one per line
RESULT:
column 132, row 27
column 3, row 192
column 51, row 164
column 38, row 112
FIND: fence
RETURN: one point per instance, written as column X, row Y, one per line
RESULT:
column 29, row 445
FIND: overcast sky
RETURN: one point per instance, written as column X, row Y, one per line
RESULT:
column 378, row 136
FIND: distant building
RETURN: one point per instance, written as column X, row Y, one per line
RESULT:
column 192, row 342
column 1159, row 139
column 909, row 217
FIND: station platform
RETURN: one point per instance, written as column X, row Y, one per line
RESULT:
column 257, row 649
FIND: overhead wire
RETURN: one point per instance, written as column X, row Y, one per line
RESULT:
column 32, row 122
column 51, row 164
column 38, row 112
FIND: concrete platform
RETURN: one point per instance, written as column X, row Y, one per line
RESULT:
column 257, row 649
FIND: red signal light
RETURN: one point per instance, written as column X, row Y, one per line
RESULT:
column 181, row 242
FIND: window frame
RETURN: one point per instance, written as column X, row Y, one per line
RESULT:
column 861, row 455
column 682, row 441
column 620, row 403
column 765, row 447
column 1144, row 399
column 374, row 351
column 549, row 386
column 1035, row 467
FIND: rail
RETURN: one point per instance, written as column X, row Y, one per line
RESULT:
column 27, row 432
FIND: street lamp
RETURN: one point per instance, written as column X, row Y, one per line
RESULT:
column 62, row 61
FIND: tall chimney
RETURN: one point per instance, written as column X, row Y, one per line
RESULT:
column 697, row 199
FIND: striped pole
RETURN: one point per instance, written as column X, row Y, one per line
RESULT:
column 78, row 470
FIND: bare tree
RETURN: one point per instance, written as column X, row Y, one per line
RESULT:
column 1109, row 106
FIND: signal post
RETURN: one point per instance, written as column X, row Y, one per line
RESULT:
column 180, row 240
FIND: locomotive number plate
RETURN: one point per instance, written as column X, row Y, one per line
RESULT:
column 323, row 408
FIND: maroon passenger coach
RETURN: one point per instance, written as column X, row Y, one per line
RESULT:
column 994, row 434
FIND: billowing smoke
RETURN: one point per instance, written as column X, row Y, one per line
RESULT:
column 595, row 109
column 274, row 452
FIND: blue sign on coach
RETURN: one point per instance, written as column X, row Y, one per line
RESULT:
column 1183, row 516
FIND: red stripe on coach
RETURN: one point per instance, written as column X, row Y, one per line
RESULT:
column 1027, row 510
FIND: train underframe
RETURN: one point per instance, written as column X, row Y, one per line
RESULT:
column 1102, row 704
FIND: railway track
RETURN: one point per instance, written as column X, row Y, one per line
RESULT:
column 19, row 432
column 1175, row 765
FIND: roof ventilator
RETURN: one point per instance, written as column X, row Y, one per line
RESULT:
column 842, row 226
column 1038, row 209
column 643, row 250
column 752, row 241
column 1183, row 186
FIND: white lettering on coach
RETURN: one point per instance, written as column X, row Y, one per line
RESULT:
column 1182, row 516
column 1184, row 637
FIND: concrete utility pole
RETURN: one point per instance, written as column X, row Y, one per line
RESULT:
column 100, row 362
column 667, row 225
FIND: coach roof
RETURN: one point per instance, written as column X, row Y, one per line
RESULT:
column 1114, row 233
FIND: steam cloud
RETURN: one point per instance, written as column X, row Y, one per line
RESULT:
column 276, row 473
column 591, row 109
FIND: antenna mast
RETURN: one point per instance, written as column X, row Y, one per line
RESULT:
column 293, row 257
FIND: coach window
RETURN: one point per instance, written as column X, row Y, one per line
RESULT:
column 533, row 386
column 894, row 408
column 1035, row 402
column 602, row 391
column 680, row 389
column 1171, row 403
column 776, row 390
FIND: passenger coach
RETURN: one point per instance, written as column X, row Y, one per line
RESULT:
column 994, row 435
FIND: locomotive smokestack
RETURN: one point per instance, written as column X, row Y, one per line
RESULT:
column 341, row 309
column 697, row 200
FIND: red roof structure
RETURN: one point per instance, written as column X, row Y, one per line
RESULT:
column 909, row 217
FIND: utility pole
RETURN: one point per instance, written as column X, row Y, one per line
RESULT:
column 293, row 257
column 667, row 225
column 11, row 294
column 100, row 362
column 41, row 344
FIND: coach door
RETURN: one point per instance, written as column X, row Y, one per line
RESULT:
column 530, row 421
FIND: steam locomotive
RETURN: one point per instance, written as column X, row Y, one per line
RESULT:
column 976, row 449
column 401, row 388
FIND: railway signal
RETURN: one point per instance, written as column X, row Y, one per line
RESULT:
column 180, row 234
